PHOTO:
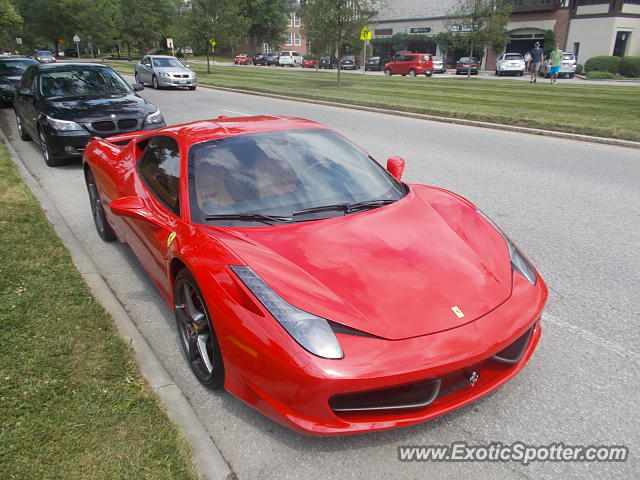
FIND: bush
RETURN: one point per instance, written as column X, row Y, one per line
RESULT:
column 630, row 66
column 603, row 63
column 579, row 68
column 595, row 75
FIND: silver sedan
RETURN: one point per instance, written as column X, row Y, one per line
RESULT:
column 165, row 71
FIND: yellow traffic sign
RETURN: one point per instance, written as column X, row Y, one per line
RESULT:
column 212, row 42
column 365, row 34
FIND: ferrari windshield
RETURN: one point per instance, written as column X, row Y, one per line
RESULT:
column 284, row 175
column 167, row 62
column 81, row 82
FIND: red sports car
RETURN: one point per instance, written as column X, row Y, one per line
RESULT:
column 309, row 63
column 311, row 282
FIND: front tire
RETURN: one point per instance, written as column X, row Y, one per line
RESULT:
column 154, row 82
column 46, row 151
column 196, row 333
column 21, row 130
column 105, row 232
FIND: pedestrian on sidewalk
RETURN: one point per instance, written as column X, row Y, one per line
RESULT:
column 537, row 57
column 555, row 63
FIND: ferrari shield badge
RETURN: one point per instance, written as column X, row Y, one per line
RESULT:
column 170, row 238
column 457, row 311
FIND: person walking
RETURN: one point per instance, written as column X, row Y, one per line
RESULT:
column 537, row 57
column 556, row 62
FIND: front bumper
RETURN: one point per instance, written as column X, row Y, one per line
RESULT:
column 270, row 372
column 177, row 82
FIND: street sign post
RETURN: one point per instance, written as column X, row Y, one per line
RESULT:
column 76, row 39
column 365, row 35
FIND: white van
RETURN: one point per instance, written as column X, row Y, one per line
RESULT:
column 291, row 58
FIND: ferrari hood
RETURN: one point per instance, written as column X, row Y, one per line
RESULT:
column 424, row 264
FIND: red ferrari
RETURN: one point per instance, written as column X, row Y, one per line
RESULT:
column 311, row 282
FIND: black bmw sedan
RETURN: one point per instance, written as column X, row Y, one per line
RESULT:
column 64, row 105
column 11, row 69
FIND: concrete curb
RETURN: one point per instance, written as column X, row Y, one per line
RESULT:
column 207, row 459
column 435, row 118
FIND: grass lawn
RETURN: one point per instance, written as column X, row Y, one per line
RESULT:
column 73, row 403
column 601, row 110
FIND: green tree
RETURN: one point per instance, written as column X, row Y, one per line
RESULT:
column 143, row 23
column 10, row 21
column 336, row 22
column 48, row 21
column 548, row 42
column 268, row 21
column 478, row 24
column 97, row 24
column 222, row 20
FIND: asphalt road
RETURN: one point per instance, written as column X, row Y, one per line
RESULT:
column 573, row 207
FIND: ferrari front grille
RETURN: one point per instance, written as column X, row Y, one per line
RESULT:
column 513, row 353
column 416, row 395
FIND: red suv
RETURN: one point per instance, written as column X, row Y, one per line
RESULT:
column 411, row 64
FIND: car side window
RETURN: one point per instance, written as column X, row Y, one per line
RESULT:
column 159, row 166
column 27, row 78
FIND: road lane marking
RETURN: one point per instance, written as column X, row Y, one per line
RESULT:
column 237, row 113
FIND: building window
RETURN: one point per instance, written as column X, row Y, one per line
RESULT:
column 296, row 20
column 296, row 39
column 620, row 48
column 289, row 40
column 381, row 32
column 289, row 21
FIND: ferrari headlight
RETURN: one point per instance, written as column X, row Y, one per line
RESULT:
column 518, row 261
column 311, row 332
column 62, row 125
column 154, row 118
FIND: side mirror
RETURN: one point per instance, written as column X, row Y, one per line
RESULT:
column 25, row 91
column 137, row 87
column 395, row 166
column 133, row 207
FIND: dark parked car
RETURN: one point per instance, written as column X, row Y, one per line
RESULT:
column 466, row 63
column 349, row 62
column 272, row 58
column 44, row 56
column 375, row 63
column 258, row 59
column 71, row 52
column 11, row 68
column 328, row 62
column 64, row 105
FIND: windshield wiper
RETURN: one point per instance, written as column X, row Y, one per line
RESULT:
column 344, row 207
column 249, row 217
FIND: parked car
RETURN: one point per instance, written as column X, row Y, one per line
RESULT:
column 411, row 64
column 439, row 65
column 375, row 63
column 290, row 58
column 71, row 52
column 272, row 58
column 63, row 105
column 242, row 59
column 568, row 67
column 349, row 62
column 44, row 56
column 309, row 63
column 467, row 63
column 165, row 71
column 258, row 59
column 11, row 69
column 328, row 62
column 248, row 228
column 512, row 63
